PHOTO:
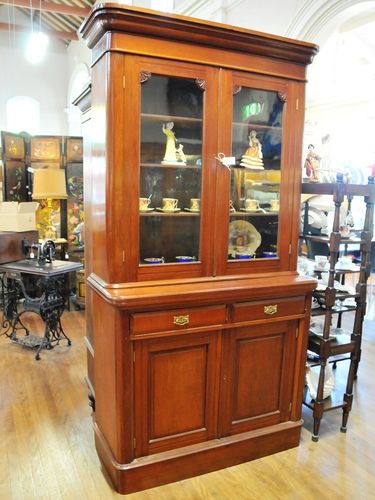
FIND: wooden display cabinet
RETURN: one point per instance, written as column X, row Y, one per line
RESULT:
column 198, row 319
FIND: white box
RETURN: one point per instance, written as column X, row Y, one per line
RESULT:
column 18, row 217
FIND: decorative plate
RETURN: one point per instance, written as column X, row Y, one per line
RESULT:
column 243, row 238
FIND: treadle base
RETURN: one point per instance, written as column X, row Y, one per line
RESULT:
column 31, row 341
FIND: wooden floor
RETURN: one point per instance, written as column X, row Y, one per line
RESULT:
column 47, row 449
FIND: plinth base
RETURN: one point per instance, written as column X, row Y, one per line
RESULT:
column 176, row 465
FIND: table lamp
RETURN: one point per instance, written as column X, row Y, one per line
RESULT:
column 49, row 184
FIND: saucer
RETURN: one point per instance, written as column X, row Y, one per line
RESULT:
column 184, row 258
column 270, row 255
column 147, row 210
column 244, row 256
column 192, row 210
column 154, row 260
column 174, row 211
column 256, row 211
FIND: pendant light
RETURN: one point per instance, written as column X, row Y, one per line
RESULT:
column 38, row 41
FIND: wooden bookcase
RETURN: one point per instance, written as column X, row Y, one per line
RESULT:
column 198, row 319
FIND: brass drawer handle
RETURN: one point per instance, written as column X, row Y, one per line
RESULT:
column 272, row 309
column 181, row 320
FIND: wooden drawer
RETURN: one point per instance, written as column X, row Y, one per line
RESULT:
column 269, row 309
column 178, row 319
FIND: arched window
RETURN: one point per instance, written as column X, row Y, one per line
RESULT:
column 23, row 115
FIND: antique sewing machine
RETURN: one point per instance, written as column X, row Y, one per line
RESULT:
column 43, row 253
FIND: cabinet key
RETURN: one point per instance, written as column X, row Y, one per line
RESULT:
column 181, row 320
column 271, row 309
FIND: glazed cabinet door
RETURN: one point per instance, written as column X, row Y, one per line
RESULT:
column 176, row 391
column 255, row 149
column 257, row 376
column 173, row 163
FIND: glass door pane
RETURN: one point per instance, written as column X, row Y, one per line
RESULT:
column 170, row 170
column 256, row 174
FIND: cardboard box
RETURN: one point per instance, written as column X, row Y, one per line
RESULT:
column 18, row 217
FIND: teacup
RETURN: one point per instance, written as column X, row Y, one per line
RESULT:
column 144, row 204
column 275, row 205
column 321, row 262
column 344, row 231
column 169, row 204
column 345, row 261
column 251, row 204
column 195, row 204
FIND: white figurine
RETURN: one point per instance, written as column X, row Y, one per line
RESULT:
column 172, row 155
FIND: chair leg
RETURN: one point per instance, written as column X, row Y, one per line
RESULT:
column 318, row 405
column 318, row 414
column 348, row 396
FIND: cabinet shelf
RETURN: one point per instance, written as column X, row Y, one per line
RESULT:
column 327, row 239
column 170, row 118
column 163, row 166
column 321, row 311
column 257, row 126
column 253, row 214
column 338, row 295
column 169, row 214
column 333, row 402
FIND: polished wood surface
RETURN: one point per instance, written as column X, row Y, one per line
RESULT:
column 179, row 381
column 47, row 446
column 110, row 16
column 11, row 244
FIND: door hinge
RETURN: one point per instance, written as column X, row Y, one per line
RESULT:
column 134, row 443
column 297, row 104
column 134, row 357
column 290, row 407
column 297, row 333
column 290, row 249
column 123, row 256
column 123, row 81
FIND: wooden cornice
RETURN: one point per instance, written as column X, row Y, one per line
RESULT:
column 62, row 35
column 109, row 17
column 49, row 7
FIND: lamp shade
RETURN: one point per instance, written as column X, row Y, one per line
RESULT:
column 49, row 183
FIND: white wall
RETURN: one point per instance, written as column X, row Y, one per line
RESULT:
column 45, row 82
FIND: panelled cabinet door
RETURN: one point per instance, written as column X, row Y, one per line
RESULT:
column 254, row 181
column 176, row 384
column 257, row 376
column 171, row 166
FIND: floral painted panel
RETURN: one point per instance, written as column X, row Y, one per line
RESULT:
column 74, row 176
column 15, row 181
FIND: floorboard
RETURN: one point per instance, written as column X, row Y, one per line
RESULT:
column 47, row 448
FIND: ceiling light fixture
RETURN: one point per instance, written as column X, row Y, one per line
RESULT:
column 38, row 41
